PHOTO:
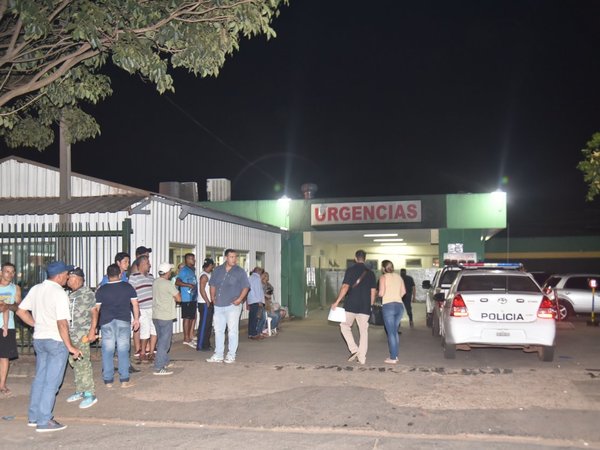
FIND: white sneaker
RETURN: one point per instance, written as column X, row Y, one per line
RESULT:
column 229, row 360
column 214, row 359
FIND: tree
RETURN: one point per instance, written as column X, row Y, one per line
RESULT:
column 590, row 166
column 52, row 53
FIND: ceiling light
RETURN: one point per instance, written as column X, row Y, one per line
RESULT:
column 388, row 240
column 381, row 235
column 393, row 243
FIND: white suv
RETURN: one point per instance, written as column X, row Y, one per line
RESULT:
column 498, row 308
column 574, row 293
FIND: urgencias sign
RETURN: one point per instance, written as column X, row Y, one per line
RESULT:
column 372, row 212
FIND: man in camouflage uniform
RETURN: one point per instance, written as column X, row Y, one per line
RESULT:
column 84, row 320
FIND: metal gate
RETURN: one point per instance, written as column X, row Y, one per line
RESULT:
column 31, row 247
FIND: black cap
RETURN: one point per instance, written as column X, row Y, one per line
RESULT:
column 142, row 250
column 207, row 262
column 77, row 271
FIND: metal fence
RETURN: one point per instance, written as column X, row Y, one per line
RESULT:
column 31, row 247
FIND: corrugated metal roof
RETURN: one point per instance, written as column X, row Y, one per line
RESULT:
column 52, row 205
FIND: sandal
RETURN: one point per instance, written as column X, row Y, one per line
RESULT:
column 5, row 391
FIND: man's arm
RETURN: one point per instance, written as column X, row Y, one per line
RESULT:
column 136, row 314
column 203, row 281
column 240, row 299
column 213, row 294
column 343, row 291
column 373, row 295
column 63, row 330
column 25, row 316
column 92, row 333
column 177, row 297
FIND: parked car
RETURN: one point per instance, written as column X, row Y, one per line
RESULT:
column 442, row 280
column 499, row 308
column 573, row 292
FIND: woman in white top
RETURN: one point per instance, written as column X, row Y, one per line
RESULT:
column 391, row 290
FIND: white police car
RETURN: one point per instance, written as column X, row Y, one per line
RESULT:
column 492, row 305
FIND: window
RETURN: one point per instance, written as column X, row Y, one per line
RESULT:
column 580, row 283
column 177, row 253
column 260, row 260
column 502, row 283
column 414, row 263
column 216, row 253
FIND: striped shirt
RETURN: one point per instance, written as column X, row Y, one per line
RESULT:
column 143, row 287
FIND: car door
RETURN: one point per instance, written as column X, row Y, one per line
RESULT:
column 578, row 292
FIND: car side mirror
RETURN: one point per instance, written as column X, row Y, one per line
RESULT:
column 426, row 284
column 439, row 297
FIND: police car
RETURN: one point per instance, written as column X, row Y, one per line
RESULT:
column 497, row 305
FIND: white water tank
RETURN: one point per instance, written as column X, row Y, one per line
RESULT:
column 218, row 190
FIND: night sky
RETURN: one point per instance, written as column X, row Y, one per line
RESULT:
column 373, row 99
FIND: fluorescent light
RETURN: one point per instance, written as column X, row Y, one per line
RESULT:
column 381, row 235
column 388, row 240
column 393, row 243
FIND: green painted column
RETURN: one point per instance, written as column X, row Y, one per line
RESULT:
column 292, row 273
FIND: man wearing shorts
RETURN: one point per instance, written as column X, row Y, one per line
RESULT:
column 188, row 286
column 142, row 283
column 10, row 294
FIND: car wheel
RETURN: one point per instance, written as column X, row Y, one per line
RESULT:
column 565, row 310
column 546, row 353
column 428, row 320
column 449, row 350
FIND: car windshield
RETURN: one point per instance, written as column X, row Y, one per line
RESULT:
column 501, row 283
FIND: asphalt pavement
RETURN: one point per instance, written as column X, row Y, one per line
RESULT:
column 297, row 390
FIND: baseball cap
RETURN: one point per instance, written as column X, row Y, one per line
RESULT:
column 208, row 261
column 77, row 271
column 142, row 250
column 165, row 267
column 57, row 267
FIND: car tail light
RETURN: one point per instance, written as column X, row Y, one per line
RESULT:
column 459, row 308
column 546, row 309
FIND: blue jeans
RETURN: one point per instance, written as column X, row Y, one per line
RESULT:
column 275, row 318
column 164, row 334
column 392, row 315
column 115, row 333
column 50, row 364
column 227, row 316
column 253, row 319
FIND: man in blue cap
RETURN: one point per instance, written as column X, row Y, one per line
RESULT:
column 49, row 305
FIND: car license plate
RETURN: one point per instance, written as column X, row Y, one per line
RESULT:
column 503, row 333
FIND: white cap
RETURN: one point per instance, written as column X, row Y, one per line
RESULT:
column 164, row 268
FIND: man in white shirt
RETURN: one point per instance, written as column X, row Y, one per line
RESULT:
column 49, row 305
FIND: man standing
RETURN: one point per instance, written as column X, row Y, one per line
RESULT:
column 10, row 295
column 49, row 304
column 84, row 319
column 122, row 259
column 256, row 302
column 142, row 283
column 205, row 307
column 360, row 285
column 114, row 301
column 228, row 288
column 134, row 268
column 164, row 295
column 408, row 298
column 188, row 284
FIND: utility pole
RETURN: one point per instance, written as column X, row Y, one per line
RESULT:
column 65, row 162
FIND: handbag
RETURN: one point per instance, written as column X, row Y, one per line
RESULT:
column 337, row 315
column 376, row 316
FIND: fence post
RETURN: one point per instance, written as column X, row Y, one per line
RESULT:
column 126, row 238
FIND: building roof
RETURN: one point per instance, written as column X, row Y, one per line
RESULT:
column 53, row 205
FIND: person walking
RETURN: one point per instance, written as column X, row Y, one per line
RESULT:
column 49, row 305
column 10, row 297
column 164, row 296
column 228, row 288
column 256, row 303
column 206, row 308
column 358, row 292
column 115, row 300
column 409, row 297
column 391, row 290
column 84, row 320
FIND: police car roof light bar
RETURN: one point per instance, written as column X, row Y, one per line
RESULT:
column 482, row 265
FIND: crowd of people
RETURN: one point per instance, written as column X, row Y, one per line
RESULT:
column 67, row 317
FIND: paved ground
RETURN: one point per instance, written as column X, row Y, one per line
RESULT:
column 296, row 390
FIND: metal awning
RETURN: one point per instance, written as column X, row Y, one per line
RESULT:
column 53, row 205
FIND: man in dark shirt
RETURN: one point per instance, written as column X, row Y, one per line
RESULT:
column 115, row 301
column 360, row 285
column 409, row 283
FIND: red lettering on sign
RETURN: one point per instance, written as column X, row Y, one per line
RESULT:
column 369, row 212
column 319, row 217
column 332, row 214
column 399, row 213
column 381, row 212
column 356, row 213
column 412, row 211
column 344, row 213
